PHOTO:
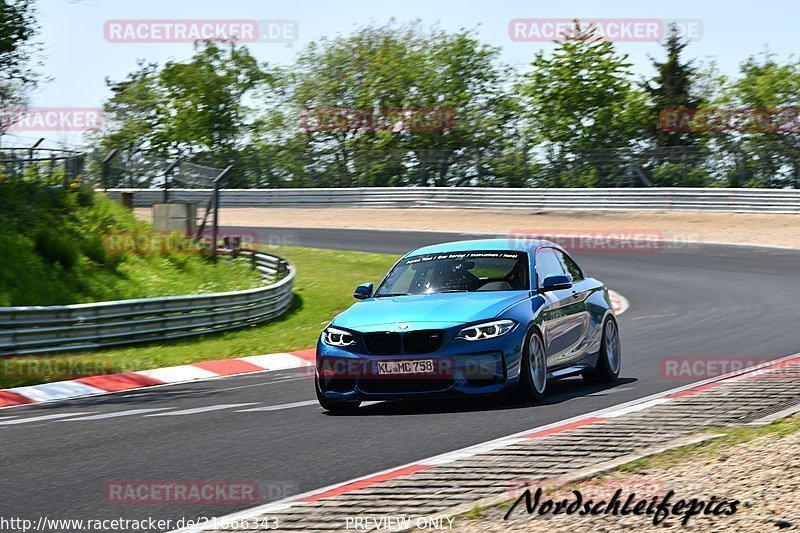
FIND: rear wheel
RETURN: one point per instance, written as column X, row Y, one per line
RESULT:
column 533, row 369
column 334, row 406
column 610, row 358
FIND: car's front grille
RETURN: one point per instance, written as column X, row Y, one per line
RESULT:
column 412, row 342
column 423, row 341
column 383, row 343
column 399, row 385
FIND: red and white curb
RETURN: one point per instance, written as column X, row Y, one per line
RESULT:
column 523, row 436
column 618, row 302
column 108, row 383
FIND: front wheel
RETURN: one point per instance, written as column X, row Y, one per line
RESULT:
column 610, row 358
column 334, row 406
column 533, row 370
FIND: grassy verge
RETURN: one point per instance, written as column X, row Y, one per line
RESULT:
column 61, row 246
column 324, row 287
column 717, row 447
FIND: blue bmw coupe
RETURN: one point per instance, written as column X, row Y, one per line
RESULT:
column 492, row 316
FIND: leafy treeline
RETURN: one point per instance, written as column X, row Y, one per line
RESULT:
column 18, row 28
column 403, row 104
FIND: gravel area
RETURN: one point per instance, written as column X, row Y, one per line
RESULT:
column 690, row 226
column 764, row 474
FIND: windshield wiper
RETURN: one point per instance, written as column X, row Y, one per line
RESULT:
column 391, row 294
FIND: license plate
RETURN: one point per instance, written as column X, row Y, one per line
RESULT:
column 421, row 366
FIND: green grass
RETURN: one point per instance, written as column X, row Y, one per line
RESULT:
column 731, row 436
column 476, row 513
column 324, row 287
column 55, row 250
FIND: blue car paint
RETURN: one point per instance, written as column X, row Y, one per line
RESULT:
column 500, row 357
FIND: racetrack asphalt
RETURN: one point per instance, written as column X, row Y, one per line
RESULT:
column 701, row 300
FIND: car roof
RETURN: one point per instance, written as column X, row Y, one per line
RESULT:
column 511, row 243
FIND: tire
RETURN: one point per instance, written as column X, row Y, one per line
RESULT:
column 533, row 369
column 610, row 359
column 336, row 407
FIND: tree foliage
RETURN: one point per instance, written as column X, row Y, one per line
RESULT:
column 579, row 102
column 355, row 110
column 18, row 29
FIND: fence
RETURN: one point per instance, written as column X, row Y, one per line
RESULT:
column 768, row 160
column 687, row 199
column 64, row 328
column 42, row 165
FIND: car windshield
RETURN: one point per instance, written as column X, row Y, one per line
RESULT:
column 457, row 272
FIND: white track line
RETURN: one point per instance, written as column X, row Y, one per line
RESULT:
column 42, row 418
column 115, row 414
column 279, row 407
column 205, row 409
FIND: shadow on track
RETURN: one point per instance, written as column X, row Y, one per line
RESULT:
column 559, row 391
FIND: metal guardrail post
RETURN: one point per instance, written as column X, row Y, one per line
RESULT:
column 215, row 229
column 107, row 168
column 167, row 174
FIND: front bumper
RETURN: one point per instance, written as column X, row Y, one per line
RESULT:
column 461, row 368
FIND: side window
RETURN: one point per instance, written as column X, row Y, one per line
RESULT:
column 547, row 262
column 571, row 267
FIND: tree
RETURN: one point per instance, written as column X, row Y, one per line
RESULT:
column 193, row 110
column 673, row 88
column 18, row 28
column 582, row 109
column 205, row 99
column 414, row 106
column 764, row 140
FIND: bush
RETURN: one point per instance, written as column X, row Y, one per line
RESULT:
column 55, row 248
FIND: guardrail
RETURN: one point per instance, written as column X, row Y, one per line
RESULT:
column 63, row 328
column 685, row 199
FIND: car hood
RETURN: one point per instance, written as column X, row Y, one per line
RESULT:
column 449, row 308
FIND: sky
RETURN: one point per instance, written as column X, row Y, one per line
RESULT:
column 80, row 52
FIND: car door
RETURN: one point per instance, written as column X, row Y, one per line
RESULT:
column 561, row 323
column 577, row 309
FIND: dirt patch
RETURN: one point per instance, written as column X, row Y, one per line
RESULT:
column 690, row 226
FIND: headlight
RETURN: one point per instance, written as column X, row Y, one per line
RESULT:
column 338, row 337
column 488, row 330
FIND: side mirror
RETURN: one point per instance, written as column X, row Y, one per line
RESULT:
column 363, row 291
column 556, row 282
